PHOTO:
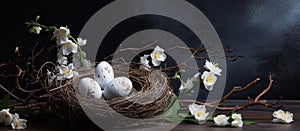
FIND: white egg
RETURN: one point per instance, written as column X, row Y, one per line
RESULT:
column 119, row 87
column 110, row 92
column 89, row 87
column 104, row 74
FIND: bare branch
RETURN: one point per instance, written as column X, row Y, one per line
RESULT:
column 266, row 90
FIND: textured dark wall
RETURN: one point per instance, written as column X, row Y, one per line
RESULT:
column 265, row 32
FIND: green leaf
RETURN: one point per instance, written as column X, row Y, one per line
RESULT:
column 172, row 110
column 31, row 30
column 246, row 122
column 231, row 112
column 230, row 115
column 182, row 120
column 190, row 120
column 53, row 38
column 5, row 102
column 28, row 24
column 210, row 118
column 174, row 120
column 185, row 115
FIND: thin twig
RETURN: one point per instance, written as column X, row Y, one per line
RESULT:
column 256, row 101
column 266, row 90
column 238, row 89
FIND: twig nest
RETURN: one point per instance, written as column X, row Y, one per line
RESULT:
column 149, row 99
column 104, row 74
column 119, row 87
column 89, row 87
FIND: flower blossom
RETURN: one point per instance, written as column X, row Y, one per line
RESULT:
column 190, row 82
column 61, row 35
column 50, row 77
column 5, row 117
column 18, row 123
column 37, row 29
column 237, row 120
column 198, row 111
column 81, row 41
column 65, row 72
column 145, row 62
column 62, row 60
column 283, row 117
column 69, row 47
column 221, row 120
column 213, row 67
column 158, row 56
column 209, row 79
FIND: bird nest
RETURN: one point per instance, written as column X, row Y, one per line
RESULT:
column 149, row 98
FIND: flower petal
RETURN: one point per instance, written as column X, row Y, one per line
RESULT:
column 209, row 88
column 81, row 42
column 162, row 57
column 69, row 75
column 155, row 62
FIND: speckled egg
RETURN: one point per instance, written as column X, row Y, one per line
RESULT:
column 119, row 87
column 104, row 74
column 89, row 87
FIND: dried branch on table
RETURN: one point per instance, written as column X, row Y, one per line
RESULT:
column 256, row 101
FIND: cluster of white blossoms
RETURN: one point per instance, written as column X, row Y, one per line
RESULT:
column 281, row 116
column 223, row 120
column 157, row 56
column 237, row 120
column 67, row 47
column 209, row 77
column 14, row 120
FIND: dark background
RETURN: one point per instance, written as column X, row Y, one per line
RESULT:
column 265, row 32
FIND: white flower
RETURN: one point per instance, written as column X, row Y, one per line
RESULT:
column 158, row 56
column 18, row 123
column 283, row 117
column 221, row 120
column 237, row 117
column 209, row 79
column 190, row 82
column 66, row 72
column 61, row 35
column 195, row 77
column 81, row 41
column 236, row 123
column 37, row 29
column 5, row 117
column 186, row 86
column 213, row 67
column 237, row 120
column 68, row 47
column 145, row 63
column 198, row 111
column 62, row 60
column 51, row 77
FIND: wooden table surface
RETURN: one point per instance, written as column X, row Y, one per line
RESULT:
column 259, row 114
column 262, row 115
